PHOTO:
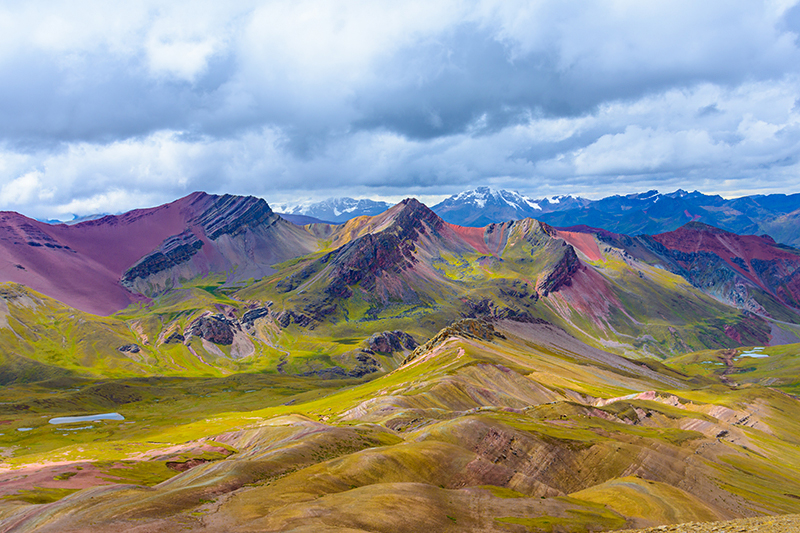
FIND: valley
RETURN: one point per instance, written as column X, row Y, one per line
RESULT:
column 392, row 373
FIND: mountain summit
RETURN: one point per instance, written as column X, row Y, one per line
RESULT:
column 336, row 209
column 102, row 265
column 483, row 206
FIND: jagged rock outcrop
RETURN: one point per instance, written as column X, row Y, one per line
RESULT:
column 129, row 348
column 238, row 236
column 249, row 318
column 174, row 251
column 286, row 318
column 391, row 250
column 174, row 338
column 232, row 215
column 470, row 328
column 214, row 328
column 364, row 260
column 366, row 365
column 736, row 269
column 226, row 215
column 783, row 275
column 391, row 341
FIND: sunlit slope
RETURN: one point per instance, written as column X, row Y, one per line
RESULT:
column 489, row 427
column 41, row 338
column 404, row 270
column 777, row 367
column 633, row 306
column 410, row 269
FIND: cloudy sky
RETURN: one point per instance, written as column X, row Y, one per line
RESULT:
column 106, row 106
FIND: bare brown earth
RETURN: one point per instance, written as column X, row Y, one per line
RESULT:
column 764, row 524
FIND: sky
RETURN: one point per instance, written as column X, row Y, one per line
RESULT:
column 108, row 106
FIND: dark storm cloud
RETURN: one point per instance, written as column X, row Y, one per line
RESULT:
column 445, row 86
column 465, row 78
column 98, row 98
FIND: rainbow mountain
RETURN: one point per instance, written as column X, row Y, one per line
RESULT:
column 511, row 377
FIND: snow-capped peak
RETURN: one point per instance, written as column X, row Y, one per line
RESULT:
column 336, row 209
column 485, row 197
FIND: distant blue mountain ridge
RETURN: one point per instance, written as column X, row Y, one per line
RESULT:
column 650, row 212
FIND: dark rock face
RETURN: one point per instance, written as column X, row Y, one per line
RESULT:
column 560, row 274
column 174, row 338
column 227, row 215
column 366, row 258
column 286, row 318
column 738, row 261
column 214, row 328
column 783, row 276
column 703, row 255
column 174, row 251
column 130, row 348
column 366, row 365
column 363, row 260
column 254, row 314
column 487, row 310
column 232, row 215
column 391, row 341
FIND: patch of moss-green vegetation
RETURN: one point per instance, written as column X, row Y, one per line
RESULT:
column 147, row 473
column 773, row 366
column 39, row 495
column 577, row 521
column 502, row 492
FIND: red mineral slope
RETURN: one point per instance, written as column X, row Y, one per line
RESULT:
column 81, row 265
column 101, row 266
column 585, row 242
column 770, row 266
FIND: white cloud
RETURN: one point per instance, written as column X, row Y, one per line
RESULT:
column 118, row 104
column 25, row 189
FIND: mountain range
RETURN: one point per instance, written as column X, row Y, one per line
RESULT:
column 514, row 376
column 335, row 209
column 650, row 212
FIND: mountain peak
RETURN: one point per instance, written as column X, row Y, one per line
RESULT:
column 229, row 214
column 697, row 226
column 336, row 210
column 484, row 205
column 410, row 212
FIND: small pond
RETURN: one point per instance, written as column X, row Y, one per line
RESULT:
column 755, row 352
column 87, row 418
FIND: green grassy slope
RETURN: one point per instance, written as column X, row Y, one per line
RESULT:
column 510, row 428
